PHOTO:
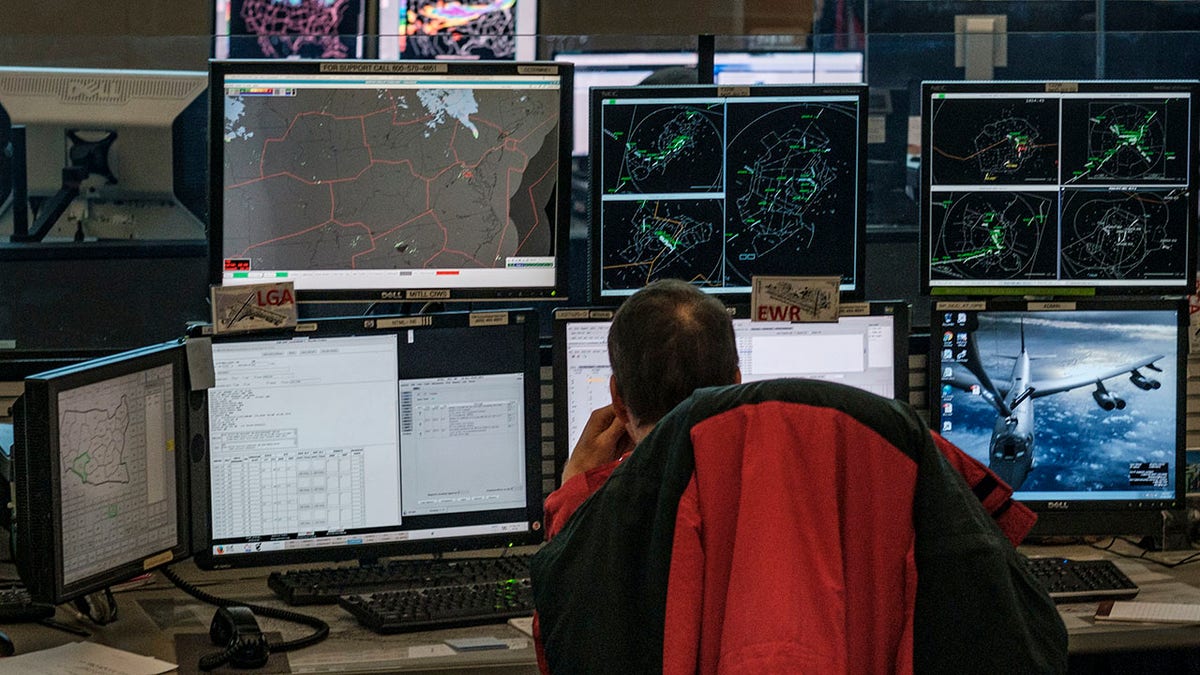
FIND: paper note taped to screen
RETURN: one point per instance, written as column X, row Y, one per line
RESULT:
column 811, row 299
column 251, row 307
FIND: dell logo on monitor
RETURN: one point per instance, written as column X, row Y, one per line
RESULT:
column 93, row 90
column 1061, row 506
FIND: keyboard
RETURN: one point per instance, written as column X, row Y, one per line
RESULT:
column 16, row 606
column 1069, row 580
column 441, row 607
column 323, row 586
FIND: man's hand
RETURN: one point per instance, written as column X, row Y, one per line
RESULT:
column 603, row 440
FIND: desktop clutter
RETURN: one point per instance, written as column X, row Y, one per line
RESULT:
column 390, row 469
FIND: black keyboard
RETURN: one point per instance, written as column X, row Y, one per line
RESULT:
column 441, row 607
column 1069, row 580
column 323, row 586
column 17, row 607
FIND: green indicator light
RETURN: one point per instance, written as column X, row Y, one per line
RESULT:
column 241, row 275
column 281, row 274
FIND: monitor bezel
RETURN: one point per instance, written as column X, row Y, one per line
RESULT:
column 367, row 325
column 1055, row 286
column 857, row 291
column 1087, row 517
column 219, row 70
column 38, row 520
column 563, row 443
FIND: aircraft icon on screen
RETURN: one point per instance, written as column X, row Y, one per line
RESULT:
column 1011, row 448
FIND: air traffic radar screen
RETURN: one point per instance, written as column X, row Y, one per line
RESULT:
column 368, row 180
column 1059, row 184
column 716, row 185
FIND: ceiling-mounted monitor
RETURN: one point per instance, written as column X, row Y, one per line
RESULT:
column 290, row 29
column 441, row 29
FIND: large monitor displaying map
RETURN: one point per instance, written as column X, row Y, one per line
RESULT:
column 369, row 181
column 715, row 185
column 101, row 479
column 1087, row 185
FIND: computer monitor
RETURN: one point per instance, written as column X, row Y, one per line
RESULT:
column 369, row 181
column 866, row 348
column 361, row 438
column 65, row 303
column 101, row 482
column 290, row 29
column 1059, row 185
column 134, row 140
column 1078, row 405
column 437, row 29
column 627, row 69
column 716, row 185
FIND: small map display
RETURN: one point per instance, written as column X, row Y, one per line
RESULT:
column 117, row 471
column 1059, row 185
column 440, row 28
column 280, row 29
column 715, row 191
column 389, row 177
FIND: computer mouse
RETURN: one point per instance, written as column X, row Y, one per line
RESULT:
column 6, row 645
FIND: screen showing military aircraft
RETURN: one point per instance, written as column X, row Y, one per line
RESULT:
column 1075, row 404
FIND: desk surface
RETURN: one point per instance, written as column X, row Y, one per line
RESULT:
column 1157, row 583
column 153, row 614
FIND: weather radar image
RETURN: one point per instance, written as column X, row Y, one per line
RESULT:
column 340, row 180
column 289, row 29
column 1079, row 404
column 712, row 188
column 1087, row 184
column 428, row 29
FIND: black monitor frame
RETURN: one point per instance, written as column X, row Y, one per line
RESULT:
column 556, row 207
column 1049, row 198
column 853, row 284
column 38, row 518
column 1079, row 516
column 563, row 442
column 526, row 322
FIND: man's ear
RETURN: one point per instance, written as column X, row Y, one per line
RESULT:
column 737, row 375
column 618, row 403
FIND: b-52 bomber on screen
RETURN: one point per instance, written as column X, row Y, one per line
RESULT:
column 1011, row 448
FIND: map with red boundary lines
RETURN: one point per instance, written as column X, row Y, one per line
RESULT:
column 328, row 179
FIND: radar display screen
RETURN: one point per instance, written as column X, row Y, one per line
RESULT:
column 716, row 185
column 1085, row 184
